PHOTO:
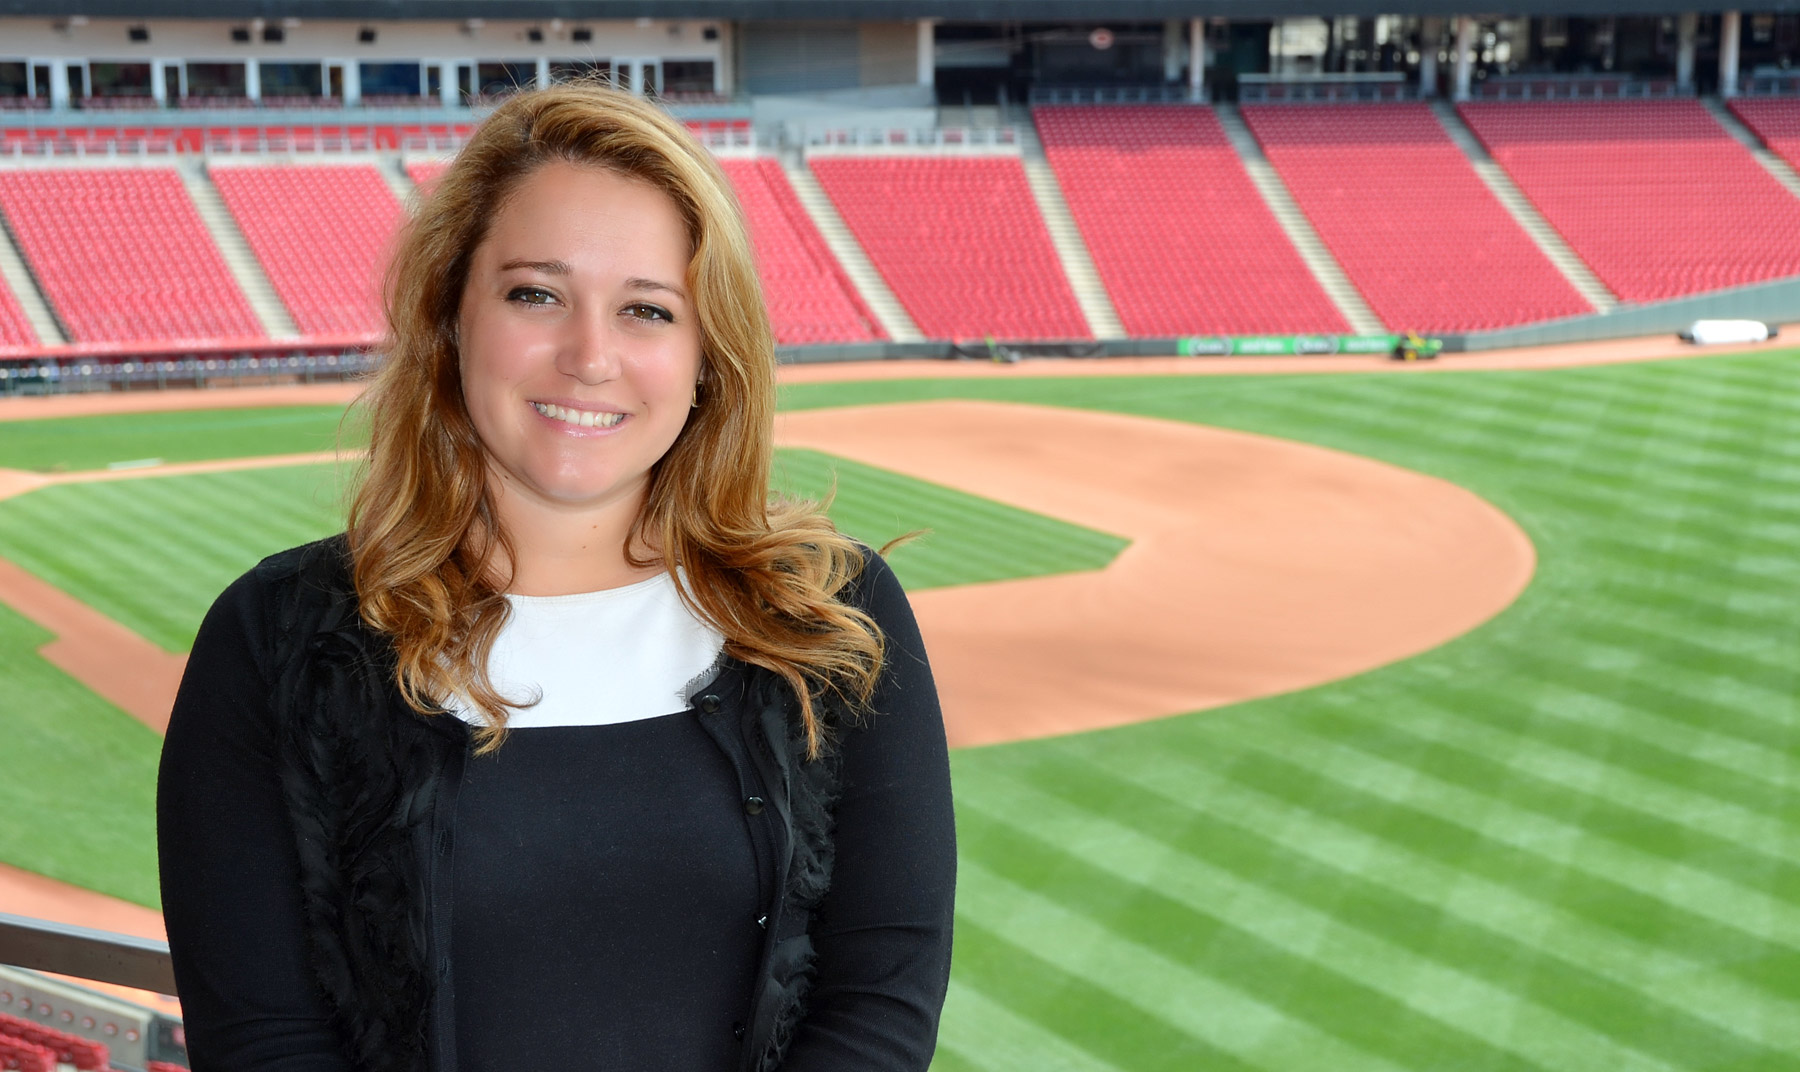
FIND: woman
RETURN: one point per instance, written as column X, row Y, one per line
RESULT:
column 575, row 751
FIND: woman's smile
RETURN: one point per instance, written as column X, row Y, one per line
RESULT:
column 575, row 417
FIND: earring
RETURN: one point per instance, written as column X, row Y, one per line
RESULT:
column 694, row 402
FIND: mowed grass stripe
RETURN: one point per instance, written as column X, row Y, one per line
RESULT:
column 1174, row 1013
column 969, row 539
column 74, row 443
column 1414, row 892
column 1619, row 781
column 1176, row 959
column 978, row 1033
column 1681, row 904
column 1223, row 878
column 79, row 788
column 153, row 553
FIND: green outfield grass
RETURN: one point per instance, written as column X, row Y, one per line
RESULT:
column 1569, row 840
column 152, row 553
column 70, row 443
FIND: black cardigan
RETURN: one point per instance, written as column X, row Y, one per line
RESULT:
column 305, row 827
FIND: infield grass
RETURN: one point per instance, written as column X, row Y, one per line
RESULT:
column 1569, row 840
column 152, row 553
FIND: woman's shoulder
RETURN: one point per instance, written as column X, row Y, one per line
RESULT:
column 289, row 585
column 874, row 589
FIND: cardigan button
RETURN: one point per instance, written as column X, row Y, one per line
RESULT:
column 754, row 805
column 709, row 703
column 737, row 1030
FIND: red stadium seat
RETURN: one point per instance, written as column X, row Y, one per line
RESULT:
column 123, row 255
column 810, row 299
column 1180, row 236
column 64, row 1048
column 1402, row 210
column 1776, row 120
column 15, row 330
column 961, row 242
column 322, row 234
column 1654, row 195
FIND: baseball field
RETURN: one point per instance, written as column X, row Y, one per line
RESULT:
column 1562, row 835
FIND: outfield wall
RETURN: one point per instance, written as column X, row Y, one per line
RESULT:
column 1776, row 302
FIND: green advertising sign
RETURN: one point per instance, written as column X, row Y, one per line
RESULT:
column 1222, row 345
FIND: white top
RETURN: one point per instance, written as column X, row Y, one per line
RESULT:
column 597, row 658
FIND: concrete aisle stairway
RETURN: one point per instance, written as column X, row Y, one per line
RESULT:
column 1775, row 165
column 849, row 252
column 25, row 289
column 1071, row 247
column 1573, row 268
column 276, row 321
column 1311, row 248
column 393, row 172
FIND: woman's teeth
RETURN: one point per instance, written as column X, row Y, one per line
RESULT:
column 586, row 418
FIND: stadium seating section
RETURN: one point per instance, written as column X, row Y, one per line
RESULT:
column 123, row 255
column 99, row 140
column 809, row 297
column 1776, row 120
column 1401, row 208
column 961, row 242
column 1183, row 241
column 15, row 330
column 322, row 234
column 424, row 172
column 1655, row 195
column 26, row 1044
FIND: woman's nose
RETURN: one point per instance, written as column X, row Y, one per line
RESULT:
column 590, row 349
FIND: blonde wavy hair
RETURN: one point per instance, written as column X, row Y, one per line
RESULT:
column 424, row 535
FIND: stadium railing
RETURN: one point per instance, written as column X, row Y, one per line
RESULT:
column 139, row 366
column 1287, row 89
column 1577, row 87
column 1157, row 94
column 852, row 139
column 54, row 1020
column 1770, row 85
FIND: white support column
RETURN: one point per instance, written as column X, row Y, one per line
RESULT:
column 1465, row 55
column 928, row 52
column 724, row 68
column 447, row 84
column 1172, row 50
column 543, row 71
column 1196, row 59
column 1431, row 38
column 1731, row 29
column 1687, row 27
column 253, row 79
column 159, row 82
column 59, row 84
column 352, row 83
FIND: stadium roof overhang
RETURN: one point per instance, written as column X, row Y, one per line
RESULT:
column 776, row 10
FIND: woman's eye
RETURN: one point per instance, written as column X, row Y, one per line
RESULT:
column 531, row 296
column 646, row 311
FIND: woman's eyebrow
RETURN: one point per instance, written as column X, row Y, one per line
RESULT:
column 640, row 283
column 546, row 267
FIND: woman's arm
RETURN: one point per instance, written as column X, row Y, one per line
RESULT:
column 883, row 931
column 230, row 879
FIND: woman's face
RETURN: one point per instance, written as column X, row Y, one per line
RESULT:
column 579, row 342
